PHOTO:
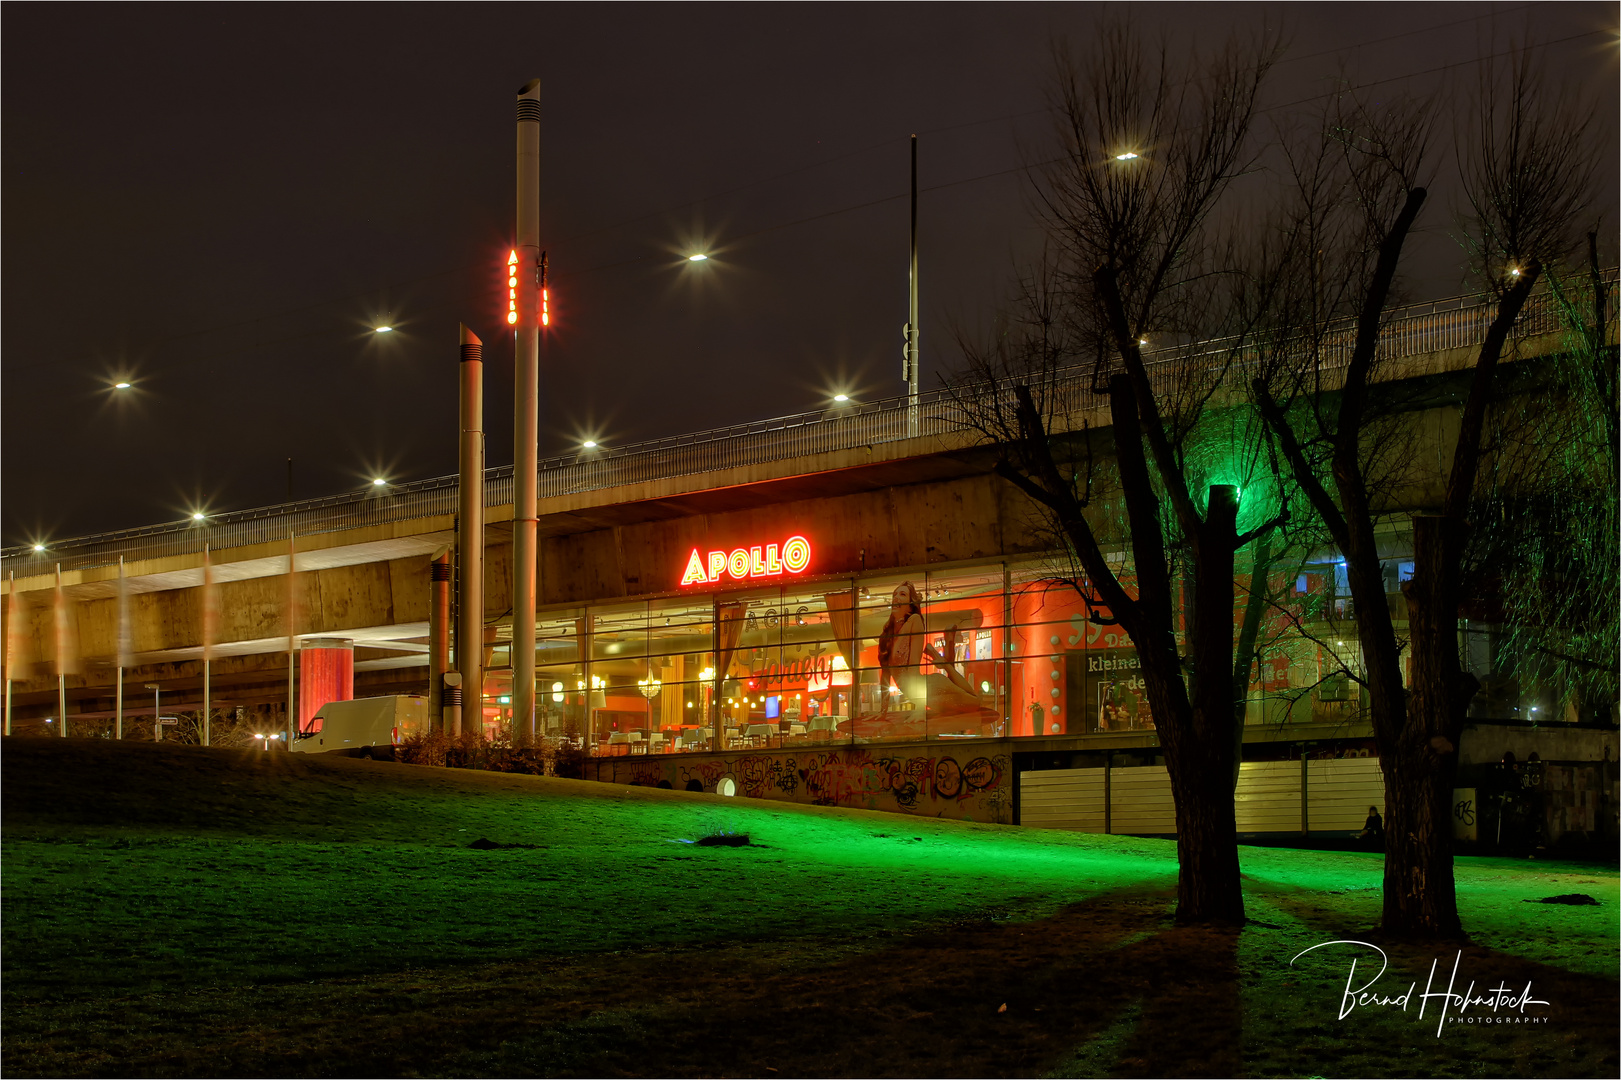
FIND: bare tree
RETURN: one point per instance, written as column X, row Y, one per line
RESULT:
column 1137, row 262
column 1523, row 181
column 1544, row 556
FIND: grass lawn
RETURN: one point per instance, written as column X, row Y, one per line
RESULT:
column 180, row 911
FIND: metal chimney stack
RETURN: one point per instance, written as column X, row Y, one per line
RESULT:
column 526, row 417
column 439, row 577
column 470, row 538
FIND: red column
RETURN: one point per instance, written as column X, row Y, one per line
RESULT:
column 326, row 672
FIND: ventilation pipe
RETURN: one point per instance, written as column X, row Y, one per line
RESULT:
column 438, row 636
column 470, row 537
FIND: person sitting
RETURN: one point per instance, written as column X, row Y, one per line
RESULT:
column 1373, row 831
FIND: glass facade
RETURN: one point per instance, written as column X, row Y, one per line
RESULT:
column 985, row 650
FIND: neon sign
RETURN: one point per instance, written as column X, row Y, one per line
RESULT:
column 769, row 560
column 512, row 288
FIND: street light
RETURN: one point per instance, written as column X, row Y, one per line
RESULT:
column 841, row 398
column 589, row 444
column 121, row 386
column 700, row 257
column 1127, row 156
column 385, row 329
column 198, row 515
column 379, row 482
column 39, row 547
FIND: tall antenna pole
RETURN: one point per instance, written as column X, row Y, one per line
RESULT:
column 911, row 319
column 526, row 416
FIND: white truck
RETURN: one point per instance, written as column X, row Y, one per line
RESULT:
column 364, row 727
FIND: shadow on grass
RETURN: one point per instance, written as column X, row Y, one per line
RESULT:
column 1293, row 1026
column 923, row 1005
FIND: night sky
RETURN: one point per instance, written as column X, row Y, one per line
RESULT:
column 219, row 202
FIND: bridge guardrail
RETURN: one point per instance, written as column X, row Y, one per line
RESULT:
column 1412, row 331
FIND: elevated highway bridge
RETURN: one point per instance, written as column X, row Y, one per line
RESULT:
column 614, row 524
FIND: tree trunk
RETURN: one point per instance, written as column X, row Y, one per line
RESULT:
column 1420, row 900
column 1201, row 753
column 1209, row 889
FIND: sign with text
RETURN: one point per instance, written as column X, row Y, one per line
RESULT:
column 792, row 556
column 1111, row 690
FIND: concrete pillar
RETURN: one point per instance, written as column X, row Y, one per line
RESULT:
column 438, row 637
column 326, row 672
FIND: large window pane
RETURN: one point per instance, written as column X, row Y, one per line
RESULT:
column 680, row 671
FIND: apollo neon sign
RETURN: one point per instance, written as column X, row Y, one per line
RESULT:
column 793, row 556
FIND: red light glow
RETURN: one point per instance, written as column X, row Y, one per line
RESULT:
column 512, row 288
column 793, row 556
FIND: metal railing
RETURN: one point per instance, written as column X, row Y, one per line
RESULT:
column 1418, row 330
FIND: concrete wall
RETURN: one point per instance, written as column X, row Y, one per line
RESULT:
column 966, row 782
column 1485, row 744
column 899, row 526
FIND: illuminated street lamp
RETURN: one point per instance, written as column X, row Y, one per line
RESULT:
column 700, row 257
column 385, row 329
column 378, row 481
column 198, row 515
column 1127, row 156
column 121, row 386
column 589, row 444
column 841, row 398
column 39, row 547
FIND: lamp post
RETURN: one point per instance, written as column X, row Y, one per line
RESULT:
column 909, row 368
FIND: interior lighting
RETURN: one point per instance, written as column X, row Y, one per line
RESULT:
column 700, row 257
column 1127, row 156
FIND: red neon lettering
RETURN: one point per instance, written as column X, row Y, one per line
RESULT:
column 796, row 554
column 766, row 560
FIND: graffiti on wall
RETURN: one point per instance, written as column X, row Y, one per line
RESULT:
column 974, row 788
